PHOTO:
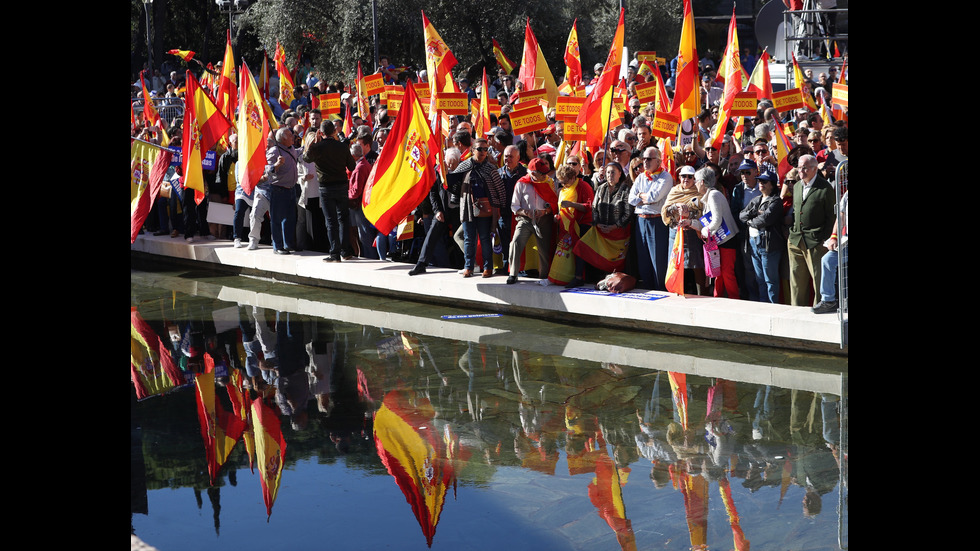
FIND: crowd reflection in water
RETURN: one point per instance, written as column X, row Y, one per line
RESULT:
column 502, row 406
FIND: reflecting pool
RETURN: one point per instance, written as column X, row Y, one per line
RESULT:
column 273, row 416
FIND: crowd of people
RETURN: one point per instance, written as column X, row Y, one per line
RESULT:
column 524, row 207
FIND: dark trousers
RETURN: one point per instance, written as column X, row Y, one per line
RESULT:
column 336, row 214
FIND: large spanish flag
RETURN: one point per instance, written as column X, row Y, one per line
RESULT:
column 534, row 73
column 606, row 494
column 404, row 172
column 594, row 114
column 675, row 266
column 270, row 450
column 482, row 118
column 285, row 78
column 415, row 455
column 148, row 165
column 687, row 89
column 783, row 147
column 505, row 63
column 253, row 131
column 191, row 155
column 212, row 123
column 152, row 367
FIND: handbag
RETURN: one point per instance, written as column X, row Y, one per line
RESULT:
column 712, row 257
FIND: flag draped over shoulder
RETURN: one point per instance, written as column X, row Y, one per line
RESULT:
column 505, row 63
column 253, row 131
column 594, row 113
column 270, row 450
column 687, row 90
column 153, row 368
column 404, row 172
column 148, row 166
column 534, row 73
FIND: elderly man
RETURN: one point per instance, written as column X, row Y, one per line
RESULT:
column 534, row 204
column 647, row 195
column 620, row 151
column 282, row 173
column 813, row 222
column 333, row 159
column 510, row 173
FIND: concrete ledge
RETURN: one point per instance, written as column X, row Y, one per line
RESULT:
column 709, row 318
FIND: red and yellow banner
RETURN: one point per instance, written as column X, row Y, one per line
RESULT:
column 153, row 369
column 528, row 119
column 838, row 98
column 270, row 451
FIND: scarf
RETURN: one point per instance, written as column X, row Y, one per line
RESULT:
column 545, row 189
column 678, row 195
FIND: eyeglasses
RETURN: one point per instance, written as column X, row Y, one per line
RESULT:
column 760, row 152
column 651, row 159
column 815, row 140
column 617, row 151
column 570, row 163
column 689, row 153
column 482, row 149
column 687, row 176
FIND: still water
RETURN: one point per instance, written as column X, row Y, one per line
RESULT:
column 300, row 418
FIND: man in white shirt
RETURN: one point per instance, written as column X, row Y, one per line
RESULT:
column 648, row 194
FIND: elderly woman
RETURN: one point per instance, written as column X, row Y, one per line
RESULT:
column 716, row 223
column 604, row 245
column 574, row 219
column 764, row 218
column 681, row 204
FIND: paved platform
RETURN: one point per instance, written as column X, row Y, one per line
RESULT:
column 710, row 318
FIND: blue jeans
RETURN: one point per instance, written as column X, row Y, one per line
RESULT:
column 241, row 208
column 828, row 274
column 336, row 213
column 282, row 209
column 366, row 232
column 766, row 267
column 652, row 239
column 478, row 227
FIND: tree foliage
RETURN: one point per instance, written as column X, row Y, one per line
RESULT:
column 336, row 34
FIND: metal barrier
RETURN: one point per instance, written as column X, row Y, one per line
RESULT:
column 168, row 108
column 840, row 182
column 806, row 27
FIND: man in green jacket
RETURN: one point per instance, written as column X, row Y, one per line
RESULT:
column 813, row 222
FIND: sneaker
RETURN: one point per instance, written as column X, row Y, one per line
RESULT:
column 824, row 307
column 511, row 280
column 238, row 244
column 189, row 239
column 252, row 245
column 418, row 269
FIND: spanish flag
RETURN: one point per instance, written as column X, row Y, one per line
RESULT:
column 783, row 148
column 675, row 266
column 415, row 455
column 733, row 82
column 798, row 79
column 226, row 95
column 192, row 154
column 687, row 89
column 211, row 121
column 285, row 79
column 534, row 72
column 606, row 494
column 148, row 166
column 253, row 131
column 759, row 82
column 738, row 536
column 363, row 107
column 594, row 114
column 153, row 368
column 505, row 63
column 186, row 55
column 404, row 172
column 439, row 61
column 678, row 390
column 264, row 75
column 573, row 59
column 482, row 117
column 150, row 114
column 219, row 429
column 270, row 449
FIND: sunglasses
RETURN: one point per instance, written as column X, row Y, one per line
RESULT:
column 689, row 153
column 651, row 159
column 482, row 149
column 571, row 164
column 760, row 152
column 817, row 140
column 617, row 150
column 687, row 176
